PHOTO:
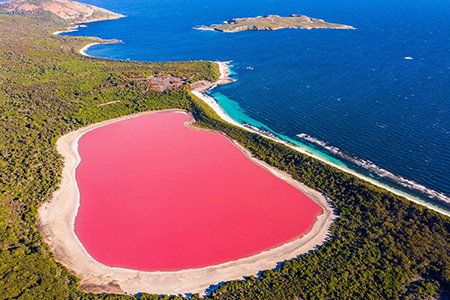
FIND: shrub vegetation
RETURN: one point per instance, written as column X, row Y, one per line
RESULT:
column 382, row 246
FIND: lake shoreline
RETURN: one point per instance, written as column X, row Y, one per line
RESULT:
column 56, row 223
column 106, row 281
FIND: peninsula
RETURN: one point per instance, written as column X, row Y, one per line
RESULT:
column 57, row 10
column 272, row 22
column 381, row 245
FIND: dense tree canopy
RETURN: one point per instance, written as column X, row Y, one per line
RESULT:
column 381, row 247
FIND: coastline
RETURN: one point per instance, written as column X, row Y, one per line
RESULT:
column 224, row 70
column 56, row 223
column 99, row 278
column 85, row 48
column 70, row 29
column 223, row 79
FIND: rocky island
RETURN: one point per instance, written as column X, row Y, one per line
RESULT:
column 273, row 22
column 381, row 246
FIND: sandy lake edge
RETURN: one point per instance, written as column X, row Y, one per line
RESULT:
column 57, row 219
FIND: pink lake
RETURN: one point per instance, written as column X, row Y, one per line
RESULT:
column 157, row 196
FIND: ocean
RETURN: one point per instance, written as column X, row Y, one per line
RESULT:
column 375, row 99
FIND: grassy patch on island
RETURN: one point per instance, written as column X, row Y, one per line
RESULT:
column 382, row 246
column 273, row 22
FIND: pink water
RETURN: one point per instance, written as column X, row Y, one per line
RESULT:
column 156, row 195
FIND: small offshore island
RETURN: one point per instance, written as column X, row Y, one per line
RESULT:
column 380, row 245
column 273, row 22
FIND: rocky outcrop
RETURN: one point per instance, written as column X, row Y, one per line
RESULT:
column 242, row 28
column 71, row 11
column 273, row 22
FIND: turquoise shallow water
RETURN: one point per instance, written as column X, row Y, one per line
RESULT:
column 349, row 94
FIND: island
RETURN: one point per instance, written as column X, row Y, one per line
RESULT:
column 272, row 22
column 380, row 245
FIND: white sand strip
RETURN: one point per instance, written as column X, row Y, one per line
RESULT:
column 69, row 29
column 85, row 48
column 223, row 67
column 110, row 102
column 58, row 215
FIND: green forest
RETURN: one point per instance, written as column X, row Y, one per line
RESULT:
column 382, row 246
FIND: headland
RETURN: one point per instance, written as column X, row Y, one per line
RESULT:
column 71, row 11
column 390, row 212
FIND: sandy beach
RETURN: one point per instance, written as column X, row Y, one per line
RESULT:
column 224, row 79
column 57, row 225
column 58, row 215
column 69, row 29
column 85, row 48
column 57, row 219
column 73, row 29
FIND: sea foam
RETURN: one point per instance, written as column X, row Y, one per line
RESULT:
column 376, row 170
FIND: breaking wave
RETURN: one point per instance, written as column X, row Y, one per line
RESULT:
column 374, row 169
column 262, row 131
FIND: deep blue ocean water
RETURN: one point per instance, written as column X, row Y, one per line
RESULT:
column 351, row 94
